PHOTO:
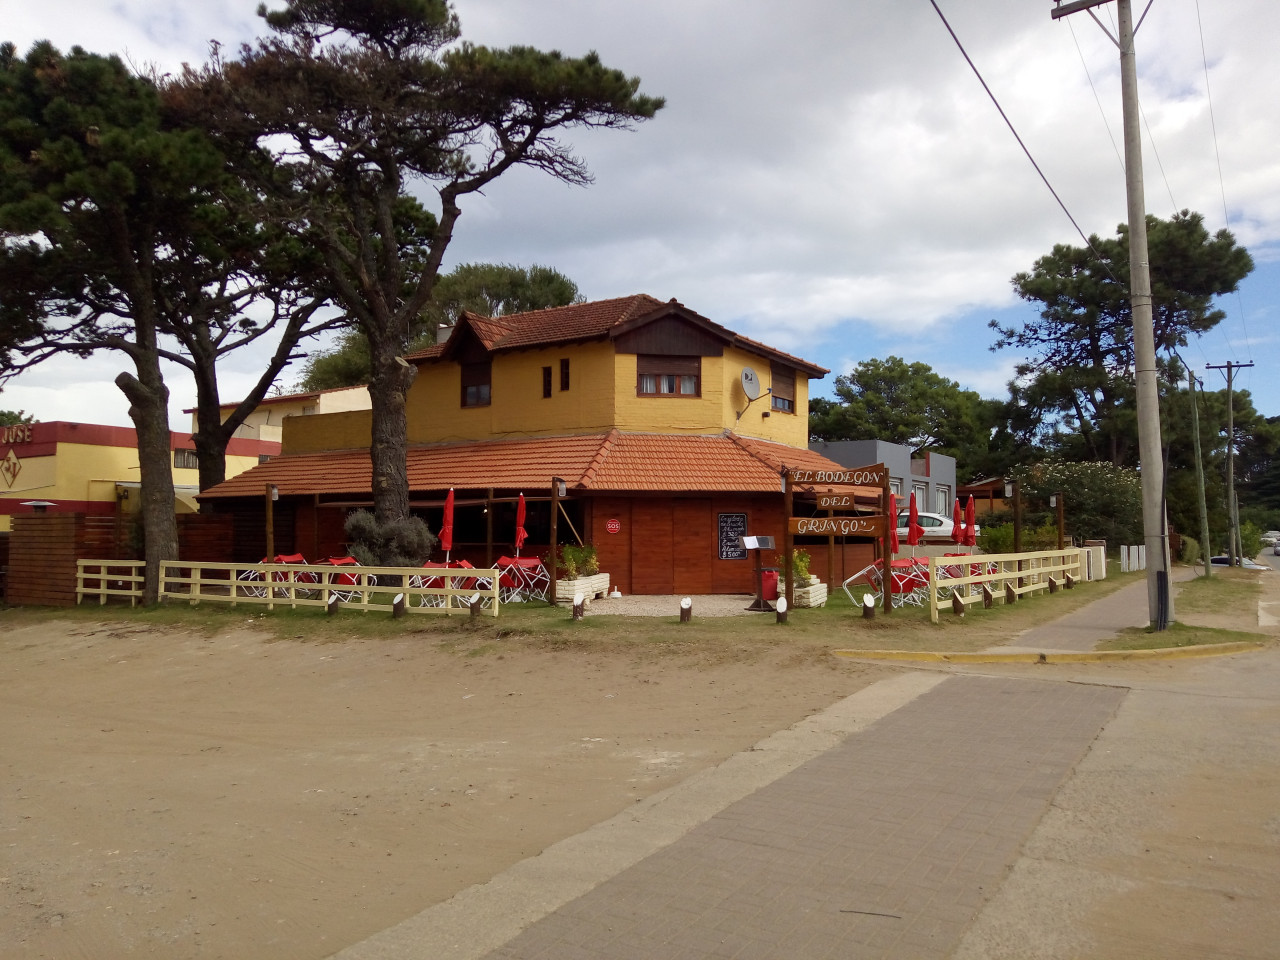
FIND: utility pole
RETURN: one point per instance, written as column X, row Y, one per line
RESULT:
column 1204, row 510
column 1154, row 527
column 1233, row 507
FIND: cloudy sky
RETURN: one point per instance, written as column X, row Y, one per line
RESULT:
column 828, row 177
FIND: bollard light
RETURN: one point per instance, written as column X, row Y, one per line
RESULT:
column 781, row 609
column 686, row 609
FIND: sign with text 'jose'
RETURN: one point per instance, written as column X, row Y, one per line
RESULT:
column 874, row 476
column 838, row 526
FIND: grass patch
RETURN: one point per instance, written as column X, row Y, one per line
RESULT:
column 1226, row 589
column 1177, row 635
column 810, row 633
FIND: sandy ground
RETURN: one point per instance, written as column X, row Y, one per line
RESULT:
column 171, row 795
column 167, row 794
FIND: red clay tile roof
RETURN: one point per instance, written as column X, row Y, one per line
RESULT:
column 589, row 321
column 615, row 462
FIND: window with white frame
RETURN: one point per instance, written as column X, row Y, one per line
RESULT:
column 942, row 499
column 662, row 376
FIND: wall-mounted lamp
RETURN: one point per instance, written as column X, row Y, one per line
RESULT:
column 275, row 491
column 1008, row 488
column 39, row 506
column 1053, row 500
column 562, row 489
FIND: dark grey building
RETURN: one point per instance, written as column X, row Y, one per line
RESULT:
column 932, row 476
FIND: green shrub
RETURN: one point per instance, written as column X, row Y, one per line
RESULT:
column 578, row 561
column 997, row 538
column 800, row 565
column 1102, row 501
column 1250, row 539
column 398, row 543
column 1190, row 551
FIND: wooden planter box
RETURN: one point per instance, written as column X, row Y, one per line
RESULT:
column 813, row 594
column 589, row 587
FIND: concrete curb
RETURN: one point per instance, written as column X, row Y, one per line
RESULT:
column 1056, row 656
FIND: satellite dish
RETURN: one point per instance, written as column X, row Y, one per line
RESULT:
column 750, row 383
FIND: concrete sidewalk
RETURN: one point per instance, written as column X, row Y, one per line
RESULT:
column 1082, row 629
column 884, row 846
column 920, row 818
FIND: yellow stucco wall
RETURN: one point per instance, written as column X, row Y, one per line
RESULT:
column 718, row 408
column 327, row 431
column 90, row 472
column 516, row 404
column 601, row 395
column 698, row 415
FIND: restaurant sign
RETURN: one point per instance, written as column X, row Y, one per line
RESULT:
column 838, row 526
column 9, row 467
column 835, row 501
column 874, row 476
column 15, row 433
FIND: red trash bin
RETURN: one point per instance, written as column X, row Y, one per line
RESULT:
column 769, row 584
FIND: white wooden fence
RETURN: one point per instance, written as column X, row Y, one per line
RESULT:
column 426, row 590
column 961, row 580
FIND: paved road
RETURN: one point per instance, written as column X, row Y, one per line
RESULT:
column 1020, row 812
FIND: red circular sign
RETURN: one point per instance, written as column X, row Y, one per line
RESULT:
column 614, row 525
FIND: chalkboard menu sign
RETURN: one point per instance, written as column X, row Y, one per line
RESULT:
column 733, row 526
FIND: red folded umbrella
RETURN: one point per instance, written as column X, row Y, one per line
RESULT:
column 893, row 524
column 971, row 525
column 957, row 525
column 446, row 526
column 521, row 533
column 914, row 530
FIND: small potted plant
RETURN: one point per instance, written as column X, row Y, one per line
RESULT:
column 809, row 590
column 578, row 571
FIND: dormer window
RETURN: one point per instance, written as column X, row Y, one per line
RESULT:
column 660, row 376
column 476, row 380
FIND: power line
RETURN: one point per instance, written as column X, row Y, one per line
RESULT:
column 1096, row 99
column 1012, row 129
column 1107, row 124
column 1159, row 163
column 1226, row 217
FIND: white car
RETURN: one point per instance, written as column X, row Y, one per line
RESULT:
column 936, row 526
column 1245, row 563
column 1271, row 538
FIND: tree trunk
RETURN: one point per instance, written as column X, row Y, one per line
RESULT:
column 210, row 438
column 211, row 455
column 390, row 428
column 149, row 410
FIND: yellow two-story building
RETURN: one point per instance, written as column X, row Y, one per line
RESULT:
column 92, row 469
column 670, row 433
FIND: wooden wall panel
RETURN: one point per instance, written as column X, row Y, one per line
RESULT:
column 613, row 550
column 652, row 551
column 695, row 545
column 764, row 519
column 42, row 560
column 850, row 558
column 206, row 537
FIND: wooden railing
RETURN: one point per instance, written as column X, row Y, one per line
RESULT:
column 427, row 590
column 110, row 578
column 973, row 579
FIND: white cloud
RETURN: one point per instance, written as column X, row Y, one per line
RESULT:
column 829, row 173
